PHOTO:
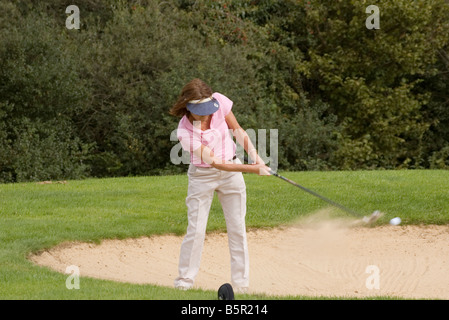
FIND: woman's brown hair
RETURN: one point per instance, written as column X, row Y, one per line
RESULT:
column 196, row 89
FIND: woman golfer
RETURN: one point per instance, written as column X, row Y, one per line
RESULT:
column 204, row 131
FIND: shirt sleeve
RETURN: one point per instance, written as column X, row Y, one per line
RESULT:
column 225, row 103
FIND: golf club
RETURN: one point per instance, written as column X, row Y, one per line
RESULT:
column 366, row 219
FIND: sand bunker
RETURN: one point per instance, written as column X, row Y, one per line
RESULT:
column 312, row 259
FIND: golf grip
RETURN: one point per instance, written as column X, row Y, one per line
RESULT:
column 312, row 192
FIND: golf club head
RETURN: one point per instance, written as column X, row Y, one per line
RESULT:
column 225, row 292
column 372, row 218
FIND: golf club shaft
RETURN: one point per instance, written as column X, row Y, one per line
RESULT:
column 316, row 194
column 312, row 192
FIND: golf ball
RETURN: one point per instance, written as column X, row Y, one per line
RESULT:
column 395, row 221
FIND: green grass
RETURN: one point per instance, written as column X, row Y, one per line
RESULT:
column 35, row 217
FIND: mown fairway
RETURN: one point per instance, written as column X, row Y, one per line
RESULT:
column 34, row 217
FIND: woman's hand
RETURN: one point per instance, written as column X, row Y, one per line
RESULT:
column 255, row 157
column 259, row 160
column 261, row 169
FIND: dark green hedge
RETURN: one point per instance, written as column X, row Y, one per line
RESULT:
column 94, row 102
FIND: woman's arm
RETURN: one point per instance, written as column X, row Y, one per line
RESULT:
column 207, row 155
column 242, row 138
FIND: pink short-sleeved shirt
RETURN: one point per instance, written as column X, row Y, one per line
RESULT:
column 217, row 138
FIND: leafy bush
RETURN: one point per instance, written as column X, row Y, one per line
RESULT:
column 95, row 101
column 40, row 91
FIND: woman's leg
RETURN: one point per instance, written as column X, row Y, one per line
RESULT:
column 232, row 196
column 199, row 199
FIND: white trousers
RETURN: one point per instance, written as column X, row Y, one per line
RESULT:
column 231, row 191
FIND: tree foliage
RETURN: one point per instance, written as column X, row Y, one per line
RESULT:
column 95, row 101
